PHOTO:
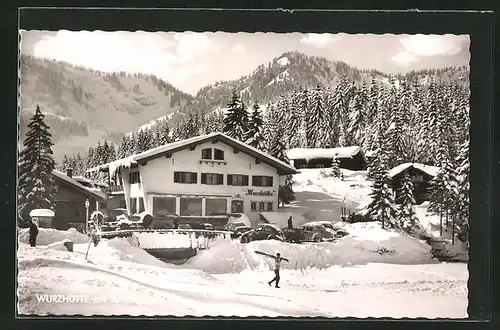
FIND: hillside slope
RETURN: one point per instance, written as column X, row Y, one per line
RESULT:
column 84, row 105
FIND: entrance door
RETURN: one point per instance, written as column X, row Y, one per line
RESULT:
column 236, row 206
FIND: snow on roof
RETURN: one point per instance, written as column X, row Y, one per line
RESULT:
column 311, row 153
column 62, row 176
column 431, row 170
column 42, row 213
column 133, row 159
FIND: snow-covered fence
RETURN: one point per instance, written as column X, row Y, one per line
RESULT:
column 172, row 238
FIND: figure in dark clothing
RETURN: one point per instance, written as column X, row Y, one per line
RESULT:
column 277, row 263
column 290, row 223
column 176, row 223
column 33, row 233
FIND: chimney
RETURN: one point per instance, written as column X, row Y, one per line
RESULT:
column 69, row 172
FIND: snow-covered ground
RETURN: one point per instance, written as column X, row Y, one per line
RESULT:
column 371, row 272
column 347, row 278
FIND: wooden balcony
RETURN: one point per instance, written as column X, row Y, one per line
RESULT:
column 114, row 189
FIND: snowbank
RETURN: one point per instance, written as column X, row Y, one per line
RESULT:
column 48, row 236
column 367, row 243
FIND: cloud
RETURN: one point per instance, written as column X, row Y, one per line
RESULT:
column 431, row 45
column 318, row 39
column 239, row 48
column 171, row 56
column 191, row 44
column 404, row 58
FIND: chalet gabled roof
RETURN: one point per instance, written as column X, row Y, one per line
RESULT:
column 98, row 194
column 144, row 157
column 430, row 170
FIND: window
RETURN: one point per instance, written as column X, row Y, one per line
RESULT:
column 163, row 205
column 215, row 206
column 190, row 207
column 270, row 206
column 319, row 166
column 218, row 154
column 237, row 180
column 133, row 205
column 261, row 206
column 206, row 153
column 141, row 205
column 253, row 206
column 303, row 166
column 103, row 205
column 123, row 204
column 185, row 177
column 262, row 181
column 212, row 178
column 134, row 177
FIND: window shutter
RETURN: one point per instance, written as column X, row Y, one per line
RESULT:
column 245, row 180
column 194, row 177
column 176, row 176
column 220, row 178
column 270, row 181
column 203, row 178
column 230, row 179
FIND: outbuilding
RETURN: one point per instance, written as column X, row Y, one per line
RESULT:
column 421, row 175
column 350, row 158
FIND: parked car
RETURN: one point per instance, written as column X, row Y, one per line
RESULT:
column 184, row 226
column 315, row 232
column 293, row 235
column 237, row 229
column 336, row 231
column 360, row 216
column 263, row 232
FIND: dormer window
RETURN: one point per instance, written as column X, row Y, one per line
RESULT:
column 218, row 154
column 206, row 153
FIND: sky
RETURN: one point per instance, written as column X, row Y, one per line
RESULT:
column 190, row 61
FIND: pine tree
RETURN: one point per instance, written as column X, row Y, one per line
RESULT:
column 406, row 200
column 122, row 148
column 286, row 195
column 64, row 163
column 255, row 134
column 236, row 118
column 36, row 186
column 461, row 211
column 335, row 168
column 382, row 204
column 315, row 120
column 165, row 137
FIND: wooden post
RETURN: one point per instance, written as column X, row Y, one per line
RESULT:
column 453, row 230
column 441, row 222
column 87, row 205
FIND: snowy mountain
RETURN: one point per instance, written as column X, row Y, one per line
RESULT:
column 82, row 106
column 281, row 75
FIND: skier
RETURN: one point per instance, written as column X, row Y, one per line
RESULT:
column 277, row 262
column 33, row 233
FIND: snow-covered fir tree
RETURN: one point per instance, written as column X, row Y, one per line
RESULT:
column 255, row 133
column 461, row 211
column 36, row 186
column 382, row 205
column 122, row 148
column 335, row 168
column 315, row 120
column 286, row 195
column 406, row 200
column 236, row 118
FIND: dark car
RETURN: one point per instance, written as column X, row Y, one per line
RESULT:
column 315, row 232
column 293, row 235
column 263, row 232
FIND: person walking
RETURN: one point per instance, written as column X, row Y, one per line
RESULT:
column 290, row 225
column 33, row 233
column 277, row 264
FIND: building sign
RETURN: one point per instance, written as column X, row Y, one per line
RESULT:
column 252, row 192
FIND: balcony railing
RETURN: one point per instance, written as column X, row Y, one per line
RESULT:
column 115, row 188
